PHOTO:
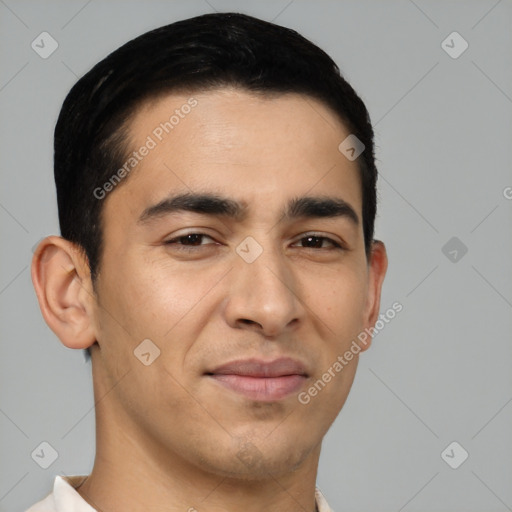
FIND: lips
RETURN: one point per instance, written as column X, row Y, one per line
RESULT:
column 261, row 380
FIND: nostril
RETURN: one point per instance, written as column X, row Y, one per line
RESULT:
column 249, row 322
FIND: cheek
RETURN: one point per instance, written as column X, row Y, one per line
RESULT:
column 156, row 299
column 337, row 298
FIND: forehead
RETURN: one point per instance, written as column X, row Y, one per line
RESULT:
column 255, row 148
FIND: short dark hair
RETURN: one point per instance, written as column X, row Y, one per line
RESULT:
column 197, row 54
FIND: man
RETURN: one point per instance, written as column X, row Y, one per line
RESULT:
column 216, row 187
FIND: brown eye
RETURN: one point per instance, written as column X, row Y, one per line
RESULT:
column 190, row 240
column 316, row 242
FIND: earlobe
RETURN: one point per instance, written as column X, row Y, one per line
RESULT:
column 376, row 272
column 61, row 279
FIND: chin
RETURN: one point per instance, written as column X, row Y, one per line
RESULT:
column 244, row 460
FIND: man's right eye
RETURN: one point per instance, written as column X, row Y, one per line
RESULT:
column 188, row 241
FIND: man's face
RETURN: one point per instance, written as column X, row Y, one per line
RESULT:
column 242, row 292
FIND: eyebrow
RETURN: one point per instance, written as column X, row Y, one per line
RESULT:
column 214, row 204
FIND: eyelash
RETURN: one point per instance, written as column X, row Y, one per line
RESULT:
column 183, row 247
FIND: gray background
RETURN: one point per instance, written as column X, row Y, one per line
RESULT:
column 439, row 372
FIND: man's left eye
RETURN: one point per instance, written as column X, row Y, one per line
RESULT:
column 316, row 242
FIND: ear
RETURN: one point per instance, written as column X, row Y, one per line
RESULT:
column 61, row 278
column 377, row 266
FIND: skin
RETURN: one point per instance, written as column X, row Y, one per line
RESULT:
column 167, row 435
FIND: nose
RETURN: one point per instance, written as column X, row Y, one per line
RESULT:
column 263, row 295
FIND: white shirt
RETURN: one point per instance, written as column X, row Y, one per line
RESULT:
column 65, row 498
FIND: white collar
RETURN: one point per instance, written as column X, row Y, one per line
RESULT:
column 65, row 498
